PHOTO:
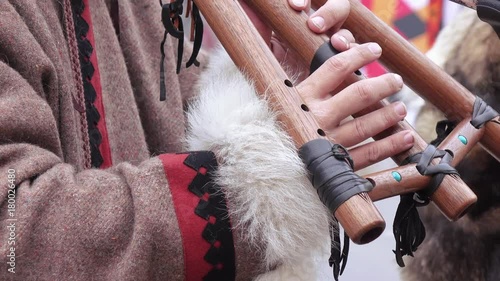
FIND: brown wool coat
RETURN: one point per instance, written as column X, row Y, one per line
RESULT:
column 72, row 223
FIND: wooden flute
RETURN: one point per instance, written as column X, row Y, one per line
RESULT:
column 418, row 71
column 358, row 216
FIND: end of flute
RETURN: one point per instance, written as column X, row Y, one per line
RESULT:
column 454, row 201
column 360, row 219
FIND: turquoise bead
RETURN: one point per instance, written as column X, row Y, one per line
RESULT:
column 462, row 139
column 397, row 176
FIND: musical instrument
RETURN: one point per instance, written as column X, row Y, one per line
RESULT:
column 357, row 214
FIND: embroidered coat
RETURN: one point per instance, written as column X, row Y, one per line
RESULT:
column 79, row 87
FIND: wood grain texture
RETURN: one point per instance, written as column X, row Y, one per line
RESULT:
column 419, row 72
column 291, row 26
column 388, row 186
column 251, row 54
column 453, row 143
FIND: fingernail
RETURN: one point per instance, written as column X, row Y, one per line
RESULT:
column 408, row 138
column 399, row 79
column 375, row 48
column 319, row 22
column 343, row 39
column 400, row 109
column 299, row 3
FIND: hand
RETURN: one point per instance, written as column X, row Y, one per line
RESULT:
column 330, row 110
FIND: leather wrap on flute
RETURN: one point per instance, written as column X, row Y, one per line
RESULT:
column 418, row 71
column 453, row 197
column 388, row 186
column 359, row 217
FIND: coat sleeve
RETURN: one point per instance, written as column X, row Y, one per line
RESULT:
column 113, row 224
column 123, row 223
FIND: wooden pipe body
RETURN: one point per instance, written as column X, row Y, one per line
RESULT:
column 453, row 196
column 359, row 217
column 389, row 183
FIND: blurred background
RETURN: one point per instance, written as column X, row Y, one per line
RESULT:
column 419, row 21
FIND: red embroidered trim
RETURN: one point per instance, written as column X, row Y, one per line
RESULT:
column 96, row 83
column 179, row 177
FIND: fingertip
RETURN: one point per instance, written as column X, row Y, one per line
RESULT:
column 298, row 5
column 408, row 138
column 375, row 48
column 333, row 13
column 399, row 81
column 400, row 109
column 316, row 23
column 340, row 43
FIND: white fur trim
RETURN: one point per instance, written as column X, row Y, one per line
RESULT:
column 271, row 201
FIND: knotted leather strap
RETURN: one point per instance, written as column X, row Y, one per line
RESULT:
column 482, row 113
column 331, row 173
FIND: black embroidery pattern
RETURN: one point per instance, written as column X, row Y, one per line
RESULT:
column 213, row 208
column 85, row 50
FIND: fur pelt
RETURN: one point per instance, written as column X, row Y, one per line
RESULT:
column 468, row 249
column 272, row 204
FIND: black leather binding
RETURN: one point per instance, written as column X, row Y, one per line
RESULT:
column 331, row 172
